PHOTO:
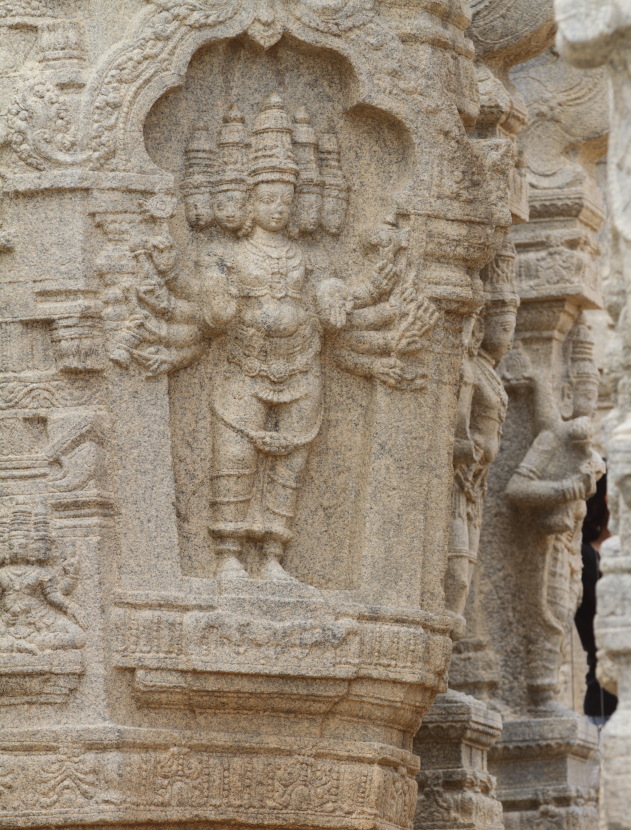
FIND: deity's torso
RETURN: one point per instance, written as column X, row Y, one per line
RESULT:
column 270, row 281
column 21, row 587
column 488, row 409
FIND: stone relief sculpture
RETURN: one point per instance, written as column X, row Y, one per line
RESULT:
column 36, row 614
column 245, row 238
column 592, row 35
column 558, row 473
column 266, row 306
column 481, row 412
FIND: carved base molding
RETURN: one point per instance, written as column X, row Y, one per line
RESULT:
column 213, row 652
column 39, row 678
column 94, row 777
column 456, row 791
column 547, row 773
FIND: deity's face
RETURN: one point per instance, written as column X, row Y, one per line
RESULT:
column 18, row 549
column 333, row 213
column 271, row 205
column 199, row 209
column 585, row 397
column 164, row 256
column 309, row 205
column 229, row 209
column 499, row 328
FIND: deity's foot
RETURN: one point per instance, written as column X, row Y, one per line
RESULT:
column 229, row 567
column 271, row 567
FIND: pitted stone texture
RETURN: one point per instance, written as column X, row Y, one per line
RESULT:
column 241, row 243
column 596, row 35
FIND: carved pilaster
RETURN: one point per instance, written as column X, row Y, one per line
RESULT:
column 248, row 242
column 530, row 542
column 504, row 34
column 594, row 35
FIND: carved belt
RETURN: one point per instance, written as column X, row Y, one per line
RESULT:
column 274, row 358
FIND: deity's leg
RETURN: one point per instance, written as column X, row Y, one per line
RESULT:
column 281, row 490
column 235, row 461
column 283, row 479
column 547, row 631
column 457, row 577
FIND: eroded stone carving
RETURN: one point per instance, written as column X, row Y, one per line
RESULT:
column 506, row 656
column 557, row 474
column 37, row 618
column 481, row 412
column 266, row 306
column 596, row 35
column 234, row 350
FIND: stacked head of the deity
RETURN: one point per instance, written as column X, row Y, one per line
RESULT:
column 277, row 151
column 272, row 151
column 334, row 185
column 308, row 208
column 230, row 184
column 501, row 303
column 198, row 163
column 28, row 538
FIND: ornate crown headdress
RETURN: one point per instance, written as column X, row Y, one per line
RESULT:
column 198, row 161
column 278, row 150
column 231, row 172
column 499, row 279
column 32, row 526
column 582, row 363
column 272, row 153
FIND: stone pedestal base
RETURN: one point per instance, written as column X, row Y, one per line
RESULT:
column 123, row 777
column 547, row 773
column 455, row 789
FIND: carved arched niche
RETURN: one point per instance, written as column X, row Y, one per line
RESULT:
column 378, row 160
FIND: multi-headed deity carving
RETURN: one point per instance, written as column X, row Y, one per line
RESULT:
column 265, row 305
column 36, row 614
column 558, row 473
column 482, row 405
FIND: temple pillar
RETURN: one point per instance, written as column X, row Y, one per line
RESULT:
column 241, row 246
column 597, row 35
column 456, row 788
column 526, row 589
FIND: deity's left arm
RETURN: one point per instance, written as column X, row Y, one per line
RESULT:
column 528, row 486
column 53, row 595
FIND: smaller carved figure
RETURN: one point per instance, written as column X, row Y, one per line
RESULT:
column 558, row 473
column 481, row 412
column 35, row 612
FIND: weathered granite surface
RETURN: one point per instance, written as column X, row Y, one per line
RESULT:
column 527, row 586
column 241, row 245
column 593, row 35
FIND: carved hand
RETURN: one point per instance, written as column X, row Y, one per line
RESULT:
column 384, row 278
column 156, row 297
column 273, row 443
column 77, row 615
column 157, row 360
column 465, row 452
column 388, row 370
column 334, row 302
